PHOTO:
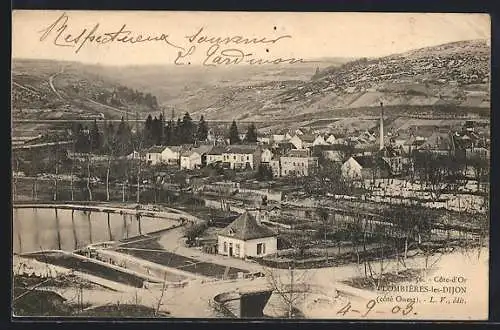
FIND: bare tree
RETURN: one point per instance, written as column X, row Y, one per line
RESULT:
column 56, row 171
column 89, row 189
column 72, row 170
column 110, row 151
column 323, row 215
column 292, row 287
column 480, row 168
column 160, row 299
column 138, row 143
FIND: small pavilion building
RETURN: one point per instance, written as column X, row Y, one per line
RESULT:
column 246, row 237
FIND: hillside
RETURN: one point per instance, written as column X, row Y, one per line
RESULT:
column 438, row 79
column 46, row 89
column 63, row 90
column 443, row 80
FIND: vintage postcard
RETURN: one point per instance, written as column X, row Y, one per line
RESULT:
column 250, row 165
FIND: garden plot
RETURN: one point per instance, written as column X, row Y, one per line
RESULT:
column 468, row 198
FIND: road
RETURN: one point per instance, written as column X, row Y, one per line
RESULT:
column 51, row 83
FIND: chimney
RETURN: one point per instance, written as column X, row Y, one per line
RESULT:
column 381, row 125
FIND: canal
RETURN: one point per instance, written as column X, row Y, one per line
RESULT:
column 36, row 229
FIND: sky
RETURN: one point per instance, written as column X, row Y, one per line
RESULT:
column 303, row 35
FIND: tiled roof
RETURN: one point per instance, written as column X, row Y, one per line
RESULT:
column 298, row 153
column 245, row 227
column 155, row 149
column 200, row 150
column 174, row 148
column 217, row 150
column 241, row 148
column 307, row 138
column 365, row 161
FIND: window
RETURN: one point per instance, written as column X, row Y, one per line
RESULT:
column 225, row 246
column 234, row 157
column 248, row 157
column 237, row 250
column 261, row 248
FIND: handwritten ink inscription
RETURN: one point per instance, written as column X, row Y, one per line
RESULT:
column 371, row 307
column 214, row 50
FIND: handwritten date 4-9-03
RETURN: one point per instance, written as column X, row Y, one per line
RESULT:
column 369, row 308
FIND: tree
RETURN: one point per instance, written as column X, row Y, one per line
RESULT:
column 95, row 137
column 202, row 133
column 155, row 131
column 168, row 135
column 234, row 136
column 81, row 138
column 193, row 231
column 177, row 133
column 160, row 130
column 110, row 151
column 251, row 135
column 292, row 288
column 148, row 131
column 138, row 144
column 187, row 130
column 123, row 139
column 323, row 215
column 264, row 173
column 480, row 168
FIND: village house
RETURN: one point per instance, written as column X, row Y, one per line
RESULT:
column 306, row 141
column 438, row 143
column 136, row 155
column 275, row 167
column 266, row 154
column 214, row 156
column 364, row 167
column 153, row 155
column 319, row 141
column 331, row 139
column 242, row 156
column 195, row 157
column 298, row 162
column 236, row 156
column 171, row 155
column 246, row 237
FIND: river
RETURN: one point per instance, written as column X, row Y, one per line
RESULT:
column 36, row 229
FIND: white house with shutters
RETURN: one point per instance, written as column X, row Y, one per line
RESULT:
column 153, row 155
column 246, row 237
column 194, row 157
column 171, row 155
